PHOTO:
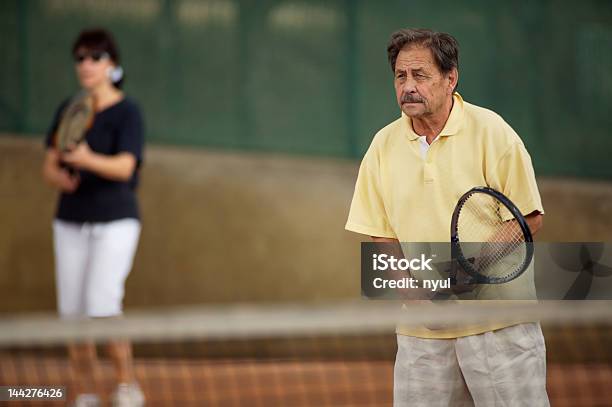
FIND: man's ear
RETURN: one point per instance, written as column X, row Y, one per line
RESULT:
column 453, row 77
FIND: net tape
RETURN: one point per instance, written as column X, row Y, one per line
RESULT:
column 279, row 320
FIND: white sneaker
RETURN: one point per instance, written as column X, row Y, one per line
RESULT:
column 128, row 395
column 87, row 400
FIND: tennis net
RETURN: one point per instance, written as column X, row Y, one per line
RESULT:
column 334, row 354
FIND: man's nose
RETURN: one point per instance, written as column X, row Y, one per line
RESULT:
column 409, row 86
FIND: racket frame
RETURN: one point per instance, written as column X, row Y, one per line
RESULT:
column 81, row 98
column 457, row 254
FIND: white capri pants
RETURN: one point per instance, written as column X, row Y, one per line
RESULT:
column 506, row 367
column 92, row 261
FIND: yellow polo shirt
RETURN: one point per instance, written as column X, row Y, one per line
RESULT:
column 399, row 194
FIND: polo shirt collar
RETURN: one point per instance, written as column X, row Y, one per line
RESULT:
column 452, row 126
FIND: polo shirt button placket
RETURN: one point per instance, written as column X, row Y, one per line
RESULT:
column 428, row 168
column 428, row 171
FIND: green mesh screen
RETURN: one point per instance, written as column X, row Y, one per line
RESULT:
column 310, row 77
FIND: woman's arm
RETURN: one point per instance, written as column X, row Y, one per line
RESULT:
column 119, row 167
column 57, row 176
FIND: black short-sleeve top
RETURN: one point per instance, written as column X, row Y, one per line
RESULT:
column 116, row 129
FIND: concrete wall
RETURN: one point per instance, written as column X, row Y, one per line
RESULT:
column 225, row 226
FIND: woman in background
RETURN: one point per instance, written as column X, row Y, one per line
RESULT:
column 97, row 226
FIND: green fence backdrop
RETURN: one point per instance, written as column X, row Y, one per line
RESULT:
column 311, row 77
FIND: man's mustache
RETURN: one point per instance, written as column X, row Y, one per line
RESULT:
column 407, row 98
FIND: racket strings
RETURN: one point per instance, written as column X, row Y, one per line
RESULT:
column 496, row 245
column 76, row 119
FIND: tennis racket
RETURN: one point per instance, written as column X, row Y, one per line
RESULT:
column 76, row 119
column 490, row 238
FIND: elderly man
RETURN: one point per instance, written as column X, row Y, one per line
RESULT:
column 409, row 181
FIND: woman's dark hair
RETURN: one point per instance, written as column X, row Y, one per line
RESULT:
column 444, row 47
column 99, row 39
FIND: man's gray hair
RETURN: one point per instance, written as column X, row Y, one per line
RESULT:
column 444, row 47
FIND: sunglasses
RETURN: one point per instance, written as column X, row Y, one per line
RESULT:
column 94, row 55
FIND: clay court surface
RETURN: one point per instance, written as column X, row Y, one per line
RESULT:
column 174, row 382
